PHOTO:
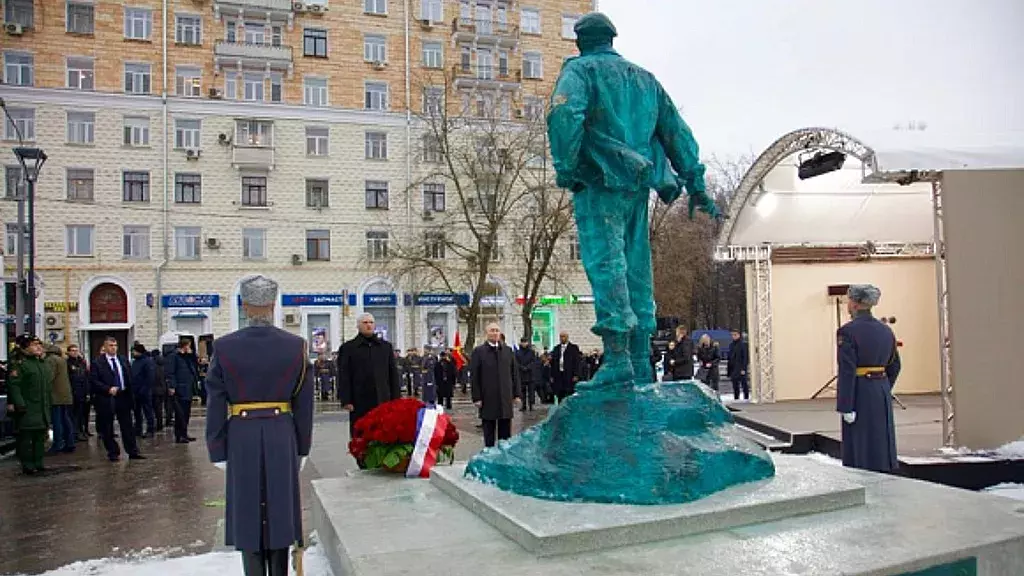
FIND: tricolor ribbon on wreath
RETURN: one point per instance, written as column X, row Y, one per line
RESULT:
column 431, row 422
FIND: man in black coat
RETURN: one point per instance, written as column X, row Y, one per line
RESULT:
column 143, row 379
column 159, row 396
column 112, row 395
column 738, row 366
column 181, row 370
column 368, row 373
column 78, row 373
column 495, row 385
column 445, row 375
column 529, row 371
column 679, row 360
column 259, row 429
column 566, row 365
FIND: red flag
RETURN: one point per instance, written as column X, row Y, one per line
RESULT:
column 457, row 356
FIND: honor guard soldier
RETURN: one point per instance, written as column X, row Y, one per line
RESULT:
column 259, row 424
column 869, row 364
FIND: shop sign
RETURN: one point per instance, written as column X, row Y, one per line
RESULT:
column 60, row 306
column 581, row 299
column 442, row 299
column 288, row 300
column 190, row 301
column 380, row 300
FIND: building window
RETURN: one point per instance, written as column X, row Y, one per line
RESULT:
column 80, row 183
column 136, row 131
column 529, row 21
column 433, row 99
column 317, row 194
column 81, row 18
column 376, row 146
column 435, row 244
column 187, row 133
column 568, row 23
column 433, row 56
column 254, row 191
column 431, row 149
column 136, row 186
column 375, row 48
column 375, row 6
column 12, row 182
column 433, row 197
column 136, row 243
column 186, row 243
column 231, row 86
column 189, row 30
column 314, row 42
column 138, row 23
column 376, row 96
column 376, row 195
column 12, row 238
column 317, row 138
column 188, row 81
column 255, row 33
column 137, row 78
column 377, row 245
column 431, row 11
column 79, row 240
column 533, row 108
column 80, row 73
column 254, row 133
column 81, row 127
column 315, row 91
column 18, row 12
column 21, row 124
column 188, row 188
column 533, row 65
column 18, row 69
column 574, row 248
column 254, row 243
column 318, row 245
column 253, row 86
column 276, row 88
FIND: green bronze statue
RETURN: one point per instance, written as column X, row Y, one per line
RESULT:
column 615, row 136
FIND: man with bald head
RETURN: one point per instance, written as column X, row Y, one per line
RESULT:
column 869, row 364
column 495, row 385
column 368, row 373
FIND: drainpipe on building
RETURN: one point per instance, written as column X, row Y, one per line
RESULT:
column 408, row 156
column 158, row 300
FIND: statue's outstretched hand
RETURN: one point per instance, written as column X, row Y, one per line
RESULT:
column 701, row 201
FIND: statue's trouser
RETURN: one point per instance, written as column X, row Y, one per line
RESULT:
column 265, row 562
column 615, row 248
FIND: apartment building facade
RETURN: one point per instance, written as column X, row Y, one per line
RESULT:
column 195, row 143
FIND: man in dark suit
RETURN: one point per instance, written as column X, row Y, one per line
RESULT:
column 260, row 376
column 565, row 367
column 182, row 373
column 112, row 395
column 495, row 385
column 368, row 373
column 739, row 366
column 529, row 371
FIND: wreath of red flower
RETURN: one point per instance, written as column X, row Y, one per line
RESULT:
column 394, row 423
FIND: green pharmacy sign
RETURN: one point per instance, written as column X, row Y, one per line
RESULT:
column 965, row 567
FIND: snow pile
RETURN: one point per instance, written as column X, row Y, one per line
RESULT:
column 155, row 562
column 1015, row 491
column 824, row 458
column 1013, row 450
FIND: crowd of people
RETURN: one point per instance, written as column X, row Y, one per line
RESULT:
column 51, row 388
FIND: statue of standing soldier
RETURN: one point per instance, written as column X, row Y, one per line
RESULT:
column 615, row 135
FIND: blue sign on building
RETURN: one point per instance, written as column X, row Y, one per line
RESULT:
column 380, row 300
column 313, row 300
column 442, row 299
column 190, row 301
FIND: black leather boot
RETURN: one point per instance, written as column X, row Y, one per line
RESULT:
column 254, row 563
column 277, row 561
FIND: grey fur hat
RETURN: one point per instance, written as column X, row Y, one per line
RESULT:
column 865, row 294
column 259, row 291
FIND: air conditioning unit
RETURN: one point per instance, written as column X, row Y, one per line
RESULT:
column 192, row 153
column 14, row 29
column 379, row 64
column 296, row 260
column 519, row 112
column 212, row 243
column 298, row 7
column 426, row 23
column 315, row 8
column 56, row 335
column 428, row 214
column 215, row 93
column 223, row 139
column 292, row 319
column 54, row 321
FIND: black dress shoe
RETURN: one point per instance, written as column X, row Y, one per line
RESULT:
column 277, row 562
column 114, row 458
column 29, row 471
column 181, row 441
column 254, row 563
column 136, row 457
column 190, row 439
column 142, row 435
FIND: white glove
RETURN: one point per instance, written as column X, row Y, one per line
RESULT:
column 222, row 465
column 302, row 463
column 849, row 417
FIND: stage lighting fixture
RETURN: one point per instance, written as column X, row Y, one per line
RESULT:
column 821, row 163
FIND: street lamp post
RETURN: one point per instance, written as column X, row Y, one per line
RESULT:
column 31, row 160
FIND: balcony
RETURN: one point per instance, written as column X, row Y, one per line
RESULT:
column 253, row 157
column 278, row 10
column 486, row 76
column 483, row 31
column 251, row 54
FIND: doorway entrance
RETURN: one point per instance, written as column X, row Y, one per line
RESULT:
column 108, row 304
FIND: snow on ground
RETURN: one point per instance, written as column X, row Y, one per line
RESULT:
column 825, row 458
column 155, row 562
column 1015, row 491
column 1011, row 451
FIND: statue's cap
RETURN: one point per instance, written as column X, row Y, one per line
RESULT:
column 258, row 291
column 595, row 24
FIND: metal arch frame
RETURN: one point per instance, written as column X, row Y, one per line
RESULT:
column 765, row 391
column 942, row 286
column 805, row 139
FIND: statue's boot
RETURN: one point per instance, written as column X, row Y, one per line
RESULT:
column 640, row 356
column 277, row 561
column 616, row 369
column 254, row 563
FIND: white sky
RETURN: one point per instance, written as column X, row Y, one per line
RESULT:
column 747, row 71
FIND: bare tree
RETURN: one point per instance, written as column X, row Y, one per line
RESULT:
column 476, row 175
